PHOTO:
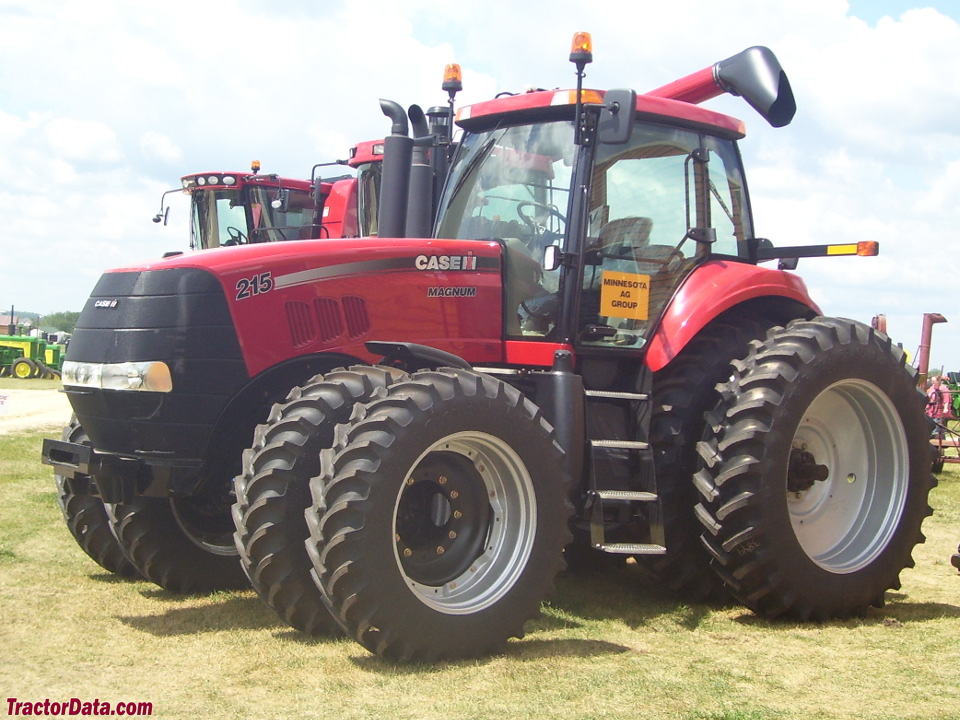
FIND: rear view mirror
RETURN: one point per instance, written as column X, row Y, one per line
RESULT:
column 551, row 258
column 617, row 117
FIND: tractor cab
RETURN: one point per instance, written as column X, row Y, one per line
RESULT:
column 233, row 208
column 367, row 159
column 621, row 224
column 239, row 208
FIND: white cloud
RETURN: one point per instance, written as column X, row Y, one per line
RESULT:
column 155, row 145
column 82, row 140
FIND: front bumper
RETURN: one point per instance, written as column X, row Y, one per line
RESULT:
column 117, row 478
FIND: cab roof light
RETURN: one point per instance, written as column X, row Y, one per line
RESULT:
column 569, row 97
column 581, row 53
column 452, row 79
column 452, row 84
column 255, row 166
column 581, row 49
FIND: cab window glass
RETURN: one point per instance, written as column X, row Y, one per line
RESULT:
column 219, row 218
column 646, row 197
column 728, row 199
column 513, row 185
column 293, row 219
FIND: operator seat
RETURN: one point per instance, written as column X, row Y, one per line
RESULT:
column 624, row 246
column 624, row 236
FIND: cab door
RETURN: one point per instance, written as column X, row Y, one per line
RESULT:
column 645, row 197
column 658, row 205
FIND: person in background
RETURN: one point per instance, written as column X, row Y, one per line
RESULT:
column 935, row 404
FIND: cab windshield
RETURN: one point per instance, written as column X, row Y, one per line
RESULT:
column 510, row 183
column 237, row 216
column 513, row 185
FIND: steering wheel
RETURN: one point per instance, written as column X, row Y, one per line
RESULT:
column 530, row 220
column 236, row 236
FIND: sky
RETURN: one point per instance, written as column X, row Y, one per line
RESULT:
column 103, row 106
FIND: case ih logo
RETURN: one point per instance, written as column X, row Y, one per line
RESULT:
column 106, row 303
column 446, row 262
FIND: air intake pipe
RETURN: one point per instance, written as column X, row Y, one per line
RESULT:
column 395, row 181
column 439, row 119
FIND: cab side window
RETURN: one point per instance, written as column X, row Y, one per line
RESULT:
column 728, row 199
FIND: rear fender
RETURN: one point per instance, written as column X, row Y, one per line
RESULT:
column 713, row 288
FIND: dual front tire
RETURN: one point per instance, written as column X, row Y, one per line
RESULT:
column 440, row 522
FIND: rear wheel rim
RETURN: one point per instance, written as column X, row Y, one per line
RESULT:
column 493, row 534
column 23, row 370
column 844, row 522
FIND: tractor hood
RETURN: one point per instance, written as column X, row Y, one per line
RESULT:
column 322, row 296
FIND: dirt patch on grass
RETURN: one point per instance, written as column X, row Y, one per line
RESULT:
column 32, row 410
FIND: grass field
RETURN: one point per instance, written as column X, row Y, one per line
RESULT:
column 607, row 646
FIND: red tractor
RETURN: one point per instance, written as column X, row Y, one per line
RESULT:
column 235, row 208
column 406, row 437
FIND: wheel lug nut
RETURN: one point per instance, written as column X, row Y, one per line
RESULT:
column 407, row 552
column 457, row 514
column 452, row 534
column 409, row 481
column 454, row 494
column 442, row 480
column 440, row 550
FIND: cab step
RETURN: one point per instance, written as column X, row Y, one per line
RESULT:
column 632, row 549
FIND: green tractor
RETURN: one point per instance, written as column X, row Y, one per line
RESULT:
column 953, row 379
column 9, row 355
column 25, row 357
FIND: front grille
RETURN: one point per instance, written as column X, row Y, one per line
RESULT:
column 179, row 316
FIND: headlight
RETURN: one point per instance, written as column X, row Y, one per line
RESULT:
column 145, row 376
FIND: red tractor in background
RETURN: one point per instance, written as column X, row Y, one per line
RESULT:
column 570, row 349
column 239, row 208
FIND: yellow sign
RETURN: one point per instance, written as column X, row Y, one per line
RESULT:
column 625, row 295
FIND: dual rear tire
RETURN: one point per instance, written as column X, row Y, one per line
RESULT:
column 815, row 472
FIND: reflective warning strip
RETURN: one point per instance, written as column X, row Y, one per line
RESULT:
column 369, row 267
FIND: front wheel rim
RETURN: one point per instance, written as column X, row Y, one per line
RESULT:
column 844, row 522
column 204, row 525
column 492, row 536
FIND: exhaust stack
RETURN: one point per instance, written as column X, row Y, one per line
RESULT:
column 926, row 335
column 395, row 182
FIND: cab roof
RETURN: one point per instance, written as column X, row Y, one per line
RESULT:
column 559, row 104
